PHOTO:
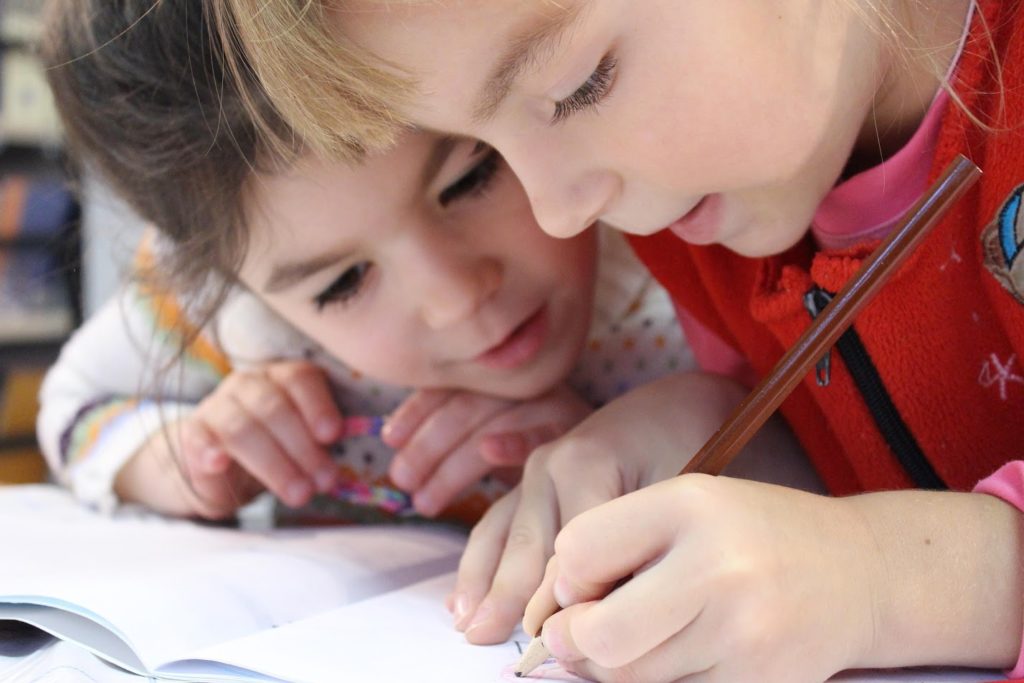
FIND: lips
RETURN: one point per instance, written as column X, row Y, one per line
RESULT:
column 520, row 346
column 700, row 224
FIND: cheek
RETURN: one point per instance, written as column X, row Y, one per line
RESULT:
column 382, row 352
column 375, row 348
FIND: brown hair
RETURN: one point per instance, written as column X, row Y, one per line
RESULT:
column 146, row 100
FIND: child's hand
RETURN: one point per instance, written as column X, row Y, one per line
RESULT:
column 270, row 424
column 643, row 437
column 261, row 428
column 732, row 580
column 448, row 440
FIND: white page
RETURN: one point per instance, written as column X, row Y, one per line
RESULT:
column 169, row 588
column 406, row 635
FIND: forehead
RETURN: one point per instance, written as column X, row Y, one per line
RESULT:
column 318, row 200
column 452, row 49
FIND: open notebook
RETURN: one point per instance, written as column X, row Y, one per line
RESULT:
column 177, row 600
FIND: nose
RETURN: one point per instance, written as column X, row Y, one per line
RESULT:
column 454, row 284
column 567, row 193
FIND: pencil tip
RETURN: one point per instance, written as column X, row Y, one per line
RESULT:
column 519, row 674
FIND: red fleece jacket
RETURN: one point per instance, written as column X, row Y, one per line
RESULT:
column 946, row 334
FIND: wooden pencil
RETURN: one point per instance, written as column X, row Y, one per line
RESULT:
column 823, row 332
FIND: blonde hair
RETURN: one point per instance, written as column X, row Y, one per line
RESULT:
column 344, row 100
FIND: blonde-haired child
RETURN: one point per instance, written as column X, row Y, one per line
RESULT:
column 776, row 142
column 284, row 294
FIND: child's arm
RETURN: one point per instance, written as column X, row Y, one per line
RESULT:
column 447, row 440
column 103, row 398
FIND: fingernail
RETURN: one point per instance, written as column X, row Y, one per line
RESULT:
column 401, row 474
column 298, row 492
column 481, row 616
column 460, row 610
column 425, row 504
column 325, row 478
column 211, row 458
column 389, row 434
column 328, row 429
column 564, row 593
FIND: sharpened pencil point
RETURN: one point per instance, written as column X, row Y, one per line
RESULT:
column 535, row 655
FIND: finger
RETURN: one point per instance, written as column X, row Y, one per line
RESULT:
column 583, row 478
column 280, row 416
column 599, row 547
column 521, row 567
column 218, row 496
column 310, row 393
column 255, row 450
column 213, row 492
column 543, row 604
column 453, row 475
column 688, row 656
column 480, row 558
column 639, row 615
column 201, row 452
column 408, row 417
column 503, row 449
column 439, row 435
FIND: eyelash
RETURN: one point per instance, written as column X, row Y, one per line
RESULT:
column 345, row 287
column 475, row 181
column 591, row 93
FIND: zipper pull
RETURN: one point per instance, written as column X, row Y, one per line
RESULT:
column 815, row 301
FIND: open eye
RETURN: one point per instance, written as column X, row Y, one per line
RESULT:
column 593, row 91
column 474, row 181
column 345, row 287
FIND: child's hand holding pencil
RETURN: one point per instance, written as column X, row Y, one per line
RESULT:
column 733, row 580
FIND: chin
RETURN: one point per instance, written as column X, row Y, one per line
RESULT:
column 756, row 243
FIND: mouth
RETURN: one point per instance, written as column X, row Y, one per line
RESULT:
column 700, row 224
column 520, row 346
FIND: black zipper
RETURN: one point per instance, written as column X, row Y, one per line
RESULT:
column 872, row 389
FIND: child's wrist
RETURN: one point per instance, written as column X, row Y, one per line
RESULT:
column 943, row 579
column 863, row 588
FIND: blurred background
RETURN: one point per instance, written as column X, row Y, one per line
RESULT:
column 64, row 241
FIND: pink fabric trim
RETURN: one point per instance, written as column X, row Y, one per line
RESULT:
column 1007, row 484
column 868, row 205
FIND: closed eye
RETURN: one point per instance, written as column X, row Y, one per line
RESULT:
column 474, row 181
column 593, row 91
column 347, row 286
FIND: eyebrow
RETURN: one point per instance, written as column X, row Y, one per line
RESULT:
column 288, row 275
column 525, row 49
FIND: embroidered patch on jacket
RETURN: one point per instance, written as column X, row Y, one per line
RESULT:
column 1003, row 242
